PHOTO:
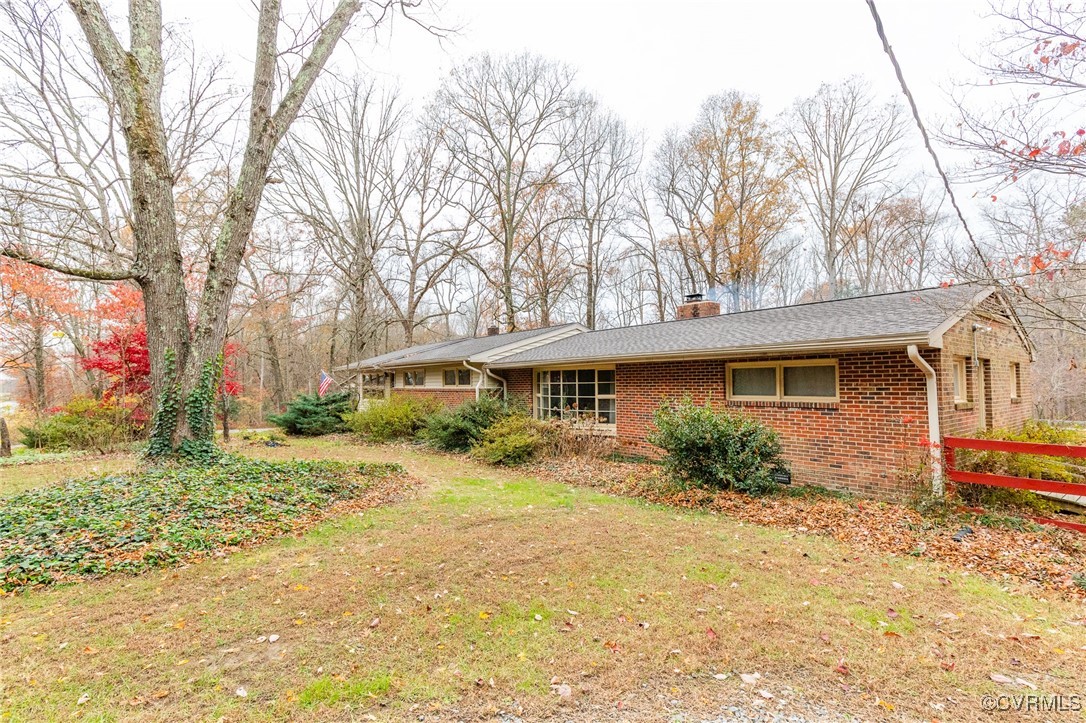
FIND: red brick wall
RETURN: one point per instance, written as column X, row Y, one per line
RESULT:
column 865, row 442
column 520, row 384
column 998, row 347
column 449, row 396
column 858, row 443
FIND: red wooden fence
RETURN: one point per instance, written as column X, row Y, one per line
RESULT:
column 1020, row 483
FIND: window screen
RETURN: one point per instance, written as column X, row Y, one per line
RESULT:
column 754, row 381
column 810, row 381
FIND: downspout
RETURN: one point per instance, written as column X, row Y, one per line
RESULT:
column 479, row 384
column 505, row 387
column 934, row 438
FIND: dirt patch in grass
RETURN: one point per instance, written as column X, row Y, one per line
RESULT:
column 491, row 592
column 1049, row 559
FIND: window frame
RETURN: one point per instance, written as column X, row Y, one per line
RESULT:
column 537, row 406
column 960, row 380
column 1016, row 381
column 456, row 371
column 418, row 377
column 779, row 366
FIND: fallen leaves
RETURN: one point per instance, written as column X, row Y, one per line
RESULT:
column 1008, row 680
column 1046, row 558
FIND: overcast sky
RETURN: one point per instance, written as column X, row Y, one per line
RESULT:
column 654, row 62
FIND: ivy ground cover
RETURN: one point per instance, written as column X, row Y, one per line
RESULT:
column 132, row 521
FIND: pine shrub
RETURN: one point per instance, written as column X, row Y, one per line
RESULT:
column 309, row 415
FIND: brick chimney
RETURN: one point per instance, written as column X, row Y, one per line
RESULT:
column 695, row 306
column 492, row 331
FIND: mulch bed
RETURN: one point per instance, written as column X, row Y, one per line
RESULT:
column 1051, row 558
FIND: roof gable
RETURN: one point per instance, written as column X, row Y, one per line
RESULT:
column 477, row 349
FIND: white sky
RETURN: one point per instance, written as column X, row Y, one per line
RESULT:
column 654, row 62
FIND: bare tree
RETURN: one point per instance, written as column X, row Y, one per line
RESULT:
column 844, row 145
column 546, row 271
column 605, row 159
column 650, row 253
column 77, row 231
column 504, row 122
column 428, row 236
column 723, row 185
column 334, row 170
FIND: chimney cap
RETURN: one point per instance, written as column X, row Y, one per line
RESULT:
column 492, row 331
column 693, row 296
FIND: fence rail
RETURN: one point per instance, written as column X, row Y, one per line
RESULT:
column 950, row 444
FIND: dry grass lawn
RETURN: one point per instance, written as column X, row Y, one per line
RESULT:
column 472, row 598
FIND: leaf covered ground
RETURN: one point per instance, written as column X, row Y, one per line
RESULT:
column 132, row 521
column 1051, row 559
column 491, row 594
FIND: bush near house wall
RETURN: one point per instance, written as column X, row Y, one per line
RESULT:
column 717, row 450
column 461, row 428
column 514, row 440
column 388, row 419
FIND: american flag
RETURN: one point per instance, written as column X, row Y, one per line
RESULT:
column 324, row 384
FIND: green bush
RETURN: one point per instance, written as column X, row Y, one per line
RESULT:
column 513, row 440
column 460, row 429
column 387, row 419
column 311, row 416
column 130, row 522
column 1034, row 466
column 83, row 423
column 715, row 449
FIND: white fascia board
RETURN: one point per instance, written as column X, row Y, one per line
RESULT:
column 935, row 338
column 560, row 332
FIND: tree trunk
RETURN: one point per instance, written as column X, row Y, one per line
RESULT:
column 5, row 439
column 279, row 394
column 40, row 397
column 225, row 418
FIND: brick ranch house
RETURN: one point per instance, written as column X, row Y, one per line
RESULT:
column 855, row 387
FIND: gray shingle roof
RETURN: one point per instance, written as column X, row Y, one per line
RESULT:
column 393, row 356
column 453, row 350
column 845, row 322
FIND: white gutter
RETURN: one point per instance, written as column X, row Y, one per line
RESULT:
column 934, row 438
column 479, row 384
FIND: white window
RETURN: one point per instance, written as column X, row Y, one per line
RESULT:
column 809, row 380
column 1016, row 381
column 457, row 377
column 581, row 395
column 416, row 378
column 961, row 388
